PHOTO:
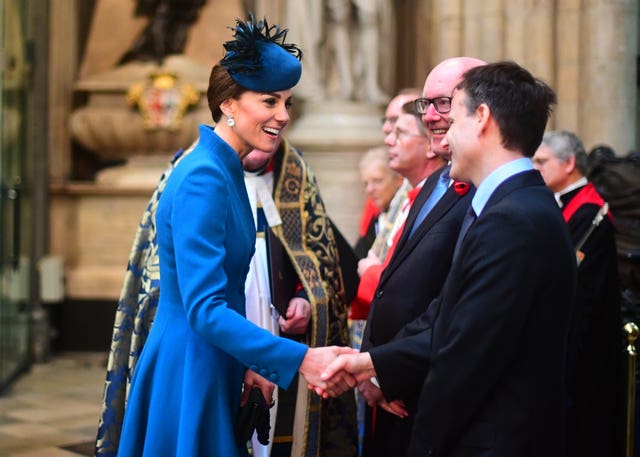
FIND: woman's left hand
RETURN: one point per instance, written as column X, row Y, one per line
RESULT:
column 253, row 379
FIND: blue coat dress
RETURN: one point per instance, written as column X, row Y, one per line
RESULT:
column 185, row 391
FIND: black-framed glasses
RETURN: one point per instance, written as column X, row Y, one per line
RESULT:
column 441, row 104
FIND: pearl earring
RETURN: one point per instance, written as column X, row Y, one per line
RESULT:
column 230, row 120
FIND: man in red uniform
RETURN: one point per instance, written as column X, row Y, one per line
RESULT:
column 594, row 418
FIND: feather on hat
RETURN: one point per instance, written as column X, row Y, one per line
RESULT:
column 258, row 59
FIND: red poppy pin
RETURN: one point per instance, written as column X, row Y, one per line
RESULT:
column 461, row 187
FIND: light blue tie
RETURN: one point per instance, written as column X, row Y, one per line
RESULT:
column 436, row 194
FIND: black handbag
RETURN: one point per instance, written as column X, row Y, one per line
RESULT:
column 254, row 415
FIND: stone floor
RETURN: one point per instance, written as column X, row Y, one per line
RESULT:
column 52, row 411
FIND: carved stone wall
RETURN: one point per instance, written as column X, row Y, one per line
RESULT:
column 93, row 222
column 585, row 49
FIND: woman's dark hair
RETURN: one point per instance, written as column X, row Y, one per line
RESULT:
column 221, row 87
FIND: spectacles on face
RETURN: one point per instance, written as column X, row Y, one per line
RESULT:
column 441, row 104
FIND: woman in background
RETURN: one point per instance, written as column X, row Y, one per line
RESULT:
column 380, row 185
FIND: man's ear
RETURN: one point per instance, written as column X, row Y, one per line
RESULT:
column 570, row 165
column 483, row 115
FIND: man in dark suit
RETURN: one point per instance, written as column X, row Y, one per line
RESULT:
column 595, row 417
column 419, row 264
column 494, row 343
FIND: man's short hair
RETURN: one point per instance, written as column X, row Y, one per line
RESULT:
column 520, row 103
column 564, row 144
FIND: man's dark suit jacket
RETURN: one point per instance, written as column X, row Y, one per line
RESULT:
column 412, row 279
column 496, row 380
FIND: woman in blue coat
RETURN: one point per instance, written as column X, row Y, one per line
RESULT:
column 187, row 385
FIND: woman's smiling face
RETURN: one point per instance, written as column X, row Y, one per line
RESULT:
column 260, row 118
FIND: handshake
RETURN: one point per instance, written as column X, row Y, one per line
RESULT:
column 331, row 371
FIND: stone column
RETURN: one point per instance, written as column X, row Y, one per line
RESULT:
column 63, row 64
column 528, row 37
column 340, row 116
column 539, row 58
column 568, row 39
column 483, row 29
column 423, row 54
column 333, row 137
column 608, row 78
column 515, row 14
column 448, row 26
column 273, row 10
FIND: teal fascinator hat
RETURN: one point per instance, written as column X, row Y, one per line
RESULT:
column 258, row 59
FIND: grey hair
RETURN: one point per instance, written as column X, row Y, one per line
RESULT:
column 564, row 144
column 377, row 154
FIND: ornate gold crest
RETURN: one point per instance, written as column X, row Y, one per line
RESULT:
column 161, row 101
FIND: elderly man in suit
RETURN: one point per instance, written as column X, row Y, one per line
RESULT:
column 494, row 343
